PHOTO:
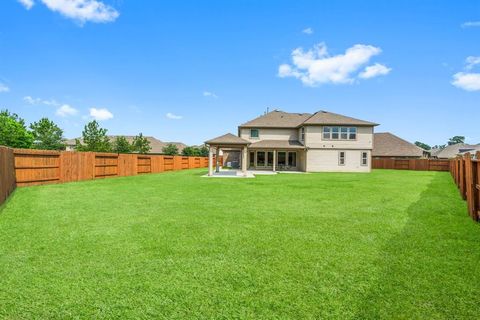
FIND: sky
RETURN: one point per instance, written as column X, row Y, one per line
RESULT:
column 193, row 70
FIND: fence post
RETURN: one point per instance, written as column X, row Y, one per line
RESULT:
column 469, row 185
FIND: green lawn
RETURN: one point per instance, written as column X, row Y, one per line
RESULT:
column 390, row 244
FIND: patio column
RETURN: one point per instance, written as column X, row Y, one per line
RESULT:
column 274, row 160
column 210, row 161
column 217, row 160
column 244, row 161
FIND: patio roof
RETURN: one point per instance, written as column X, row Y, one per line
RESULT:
column 227, row 139
column 277, row 144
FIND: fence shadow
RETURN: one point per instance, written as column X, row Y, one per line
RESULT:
column 428, row 268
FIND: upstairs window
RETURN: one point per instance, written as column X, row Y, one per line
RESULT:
column 339, row 133
column 302, row 134
column 254, row 133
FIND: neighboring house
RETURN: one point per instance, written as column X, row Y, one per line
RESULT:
column 387, row 145
column 155, row 144
column 322, row 141
column 454, row 150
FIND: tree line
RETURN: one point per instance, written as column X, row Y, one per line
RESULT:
column 451, row 141
column 44, row 134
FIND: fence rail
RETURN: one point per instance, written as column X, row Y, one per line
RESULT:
column 7, row 173
column 466, row 174
column 411, row 164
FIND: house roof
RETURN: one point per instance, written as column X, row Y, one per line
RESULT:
column 386, row 144
column 156, row 145
column 277, row 119
column 330, row 118
column 277, row 144
column 460, row 148
column 227, row 139
column 281, row 119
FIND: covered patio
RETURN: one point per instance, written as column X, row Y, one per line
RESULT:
column 227, row 141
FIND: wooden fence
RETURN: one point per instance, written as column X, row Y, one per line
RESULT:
column 7, row 173
column 466, row 173
column 34, row 167
column 411, row 164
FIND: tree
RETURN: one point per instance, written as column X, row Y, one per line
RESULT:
column 140, row 144
column 121, row 145
column 456, row 140
column 13, row 132
column 441, row 147
column 170, row 149
column 191, row 151
column 94, row 139
column 423, row 145
column 203, row 152
column 47, row 135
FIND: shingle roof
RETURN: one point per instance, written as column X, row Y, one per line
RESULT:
column 278, row 119
column 227, row 139
column 453, row 150
column 330, row 118
column 386, row 144
column 281, row 119
column 155, row 144
column 277, row 144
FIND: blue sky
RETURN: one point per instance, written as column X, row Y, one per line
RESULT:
column 192, row 70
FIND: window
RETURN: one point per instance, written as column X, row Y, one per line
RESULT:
column 254, row 133
column 327, row 133
column 282, row 158
column 292, row 159
column 341, row 158
column 339, row 133
column 270, row 159
column 302, row 134
column 261, row 158
column 252, row 159
column 335, row 135
column 352, row 133
column 364, row 161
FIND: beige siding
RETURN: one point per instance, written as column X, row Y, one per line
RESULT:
column 314, row 139
column 321, row 160
column 270, row 134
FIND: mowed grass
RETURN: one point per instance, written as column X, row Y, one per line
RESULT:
column 390, row 244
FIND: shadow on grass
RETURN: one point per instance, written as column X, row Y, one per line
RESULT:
column 431, row 269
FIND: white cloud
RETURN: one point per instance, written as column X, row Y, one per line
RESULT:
column 173, row 116
column 467, row 81
column 83, row 10
column 308, row 30
column 28, row 4
column 66, row 110
column 4, row 88
column 100, row 114
column 209, row 94
column 472, row 62
column 374, row 71
column 315, row 66
column 36, row 101
column 471, row 24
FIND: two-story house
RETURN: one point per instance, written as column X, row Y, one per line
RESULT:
column 318, row 142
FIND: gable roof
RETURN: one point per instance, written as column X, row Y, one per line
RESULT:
column 460, row 148
column 386, row 144
column 281, row 119
column 227, row 139
column 277, row 119
column 330, row 118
